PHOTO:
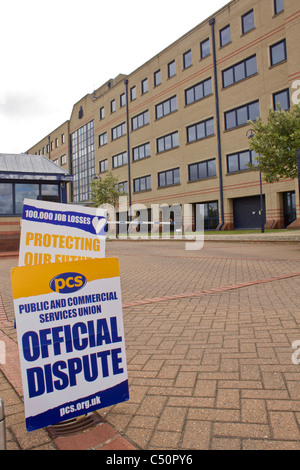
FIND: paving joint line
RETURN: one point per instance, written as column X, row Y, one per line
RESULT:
column 216, row 290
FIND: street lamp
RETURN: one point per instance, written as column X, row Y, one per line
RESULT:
column 250, row 134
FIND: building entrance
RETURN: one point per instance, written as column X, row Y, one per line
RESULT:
column 246, row 211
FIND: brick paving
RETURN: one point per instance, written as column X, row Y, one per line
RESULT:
column 209, row 338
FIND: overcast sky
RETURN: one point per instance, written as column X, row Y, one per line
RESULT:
column 55, row 52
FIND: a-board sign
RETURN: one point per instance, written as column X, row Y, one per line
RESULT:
column 54, row 233
column 71, row 338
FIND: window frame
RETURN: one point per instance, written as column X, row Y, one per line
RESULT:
column 162, row 139
column 193, row 90
column 138, row 155
column 115, row 158
column 187, row 59
column 202, row 43
column 222, row 44
column 252, row 156
column 282, row 41
column 234, row 67
column 239, row 109
column 276, row 10
column 145, row 120
column 195, row 126
column 287, row 91
column 204, row 164
column 146, row 179
column 120, row 130
column 163, row 105
column 243, row 21
column 173, row 176
column 171, row 64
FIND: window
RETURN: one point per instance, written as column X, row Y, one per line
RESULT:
column 167, row 142
column 278, row 6
column 278, row 52
column 202, row 170
column 205, row 48
column 168, row 178
column 211, row 214
column 187, row 59
column 62, row 139
column 140, row 120
column 83, row 161
column 63, row 159
column 56, row 142
column 118, row 131
column 113, row 106
column 6, row 198
column 144, row 86
column 240, row 161
column 200, row 130
column 198, row 91
column 119, row 160
column 248, row 22
column 225, row 36
column 166, row 107
column 240, row 71
column 140, row 152
column 122, row 100
column 171, row 69
column 239, row 116
column 133, row 93
column 282, row 98
column 157, row 78
column 142, row 184
column 123, row 187
column 102, row 112
column 103, row 166
column 103, row 139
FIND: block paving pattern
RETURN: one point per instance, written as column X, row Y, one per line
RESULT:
column 209, row 338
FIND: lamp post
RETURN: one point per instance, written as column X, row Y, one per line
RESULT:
column 250, row 134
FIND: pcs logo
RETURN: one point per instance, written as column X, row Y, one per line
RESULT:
column 67, row 283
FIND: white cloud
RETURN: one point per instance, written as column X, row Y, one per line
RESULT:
column 54, row 53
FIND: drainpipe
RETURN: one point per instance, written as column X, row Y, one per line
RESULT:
column 212, row 24
column 128, row 147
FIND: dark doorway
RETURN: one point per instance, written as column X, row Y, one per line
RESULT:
column 246, row 212
column 289, row 208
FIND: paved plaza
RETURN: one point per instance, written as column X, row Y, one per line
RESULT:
column 209, row 338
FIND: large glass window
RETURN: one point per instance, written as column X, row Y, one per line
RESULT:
column 6, row 199
column 83, row 161
column 25, row 190
column 12, row 195
column 50, row 192
column 211, row 214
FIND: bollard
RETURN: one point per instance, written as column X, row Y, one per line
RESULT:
column 2, row 426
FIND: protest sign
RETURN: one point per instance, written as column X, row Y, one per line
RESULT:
column 71, row 338
column 54, row 233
